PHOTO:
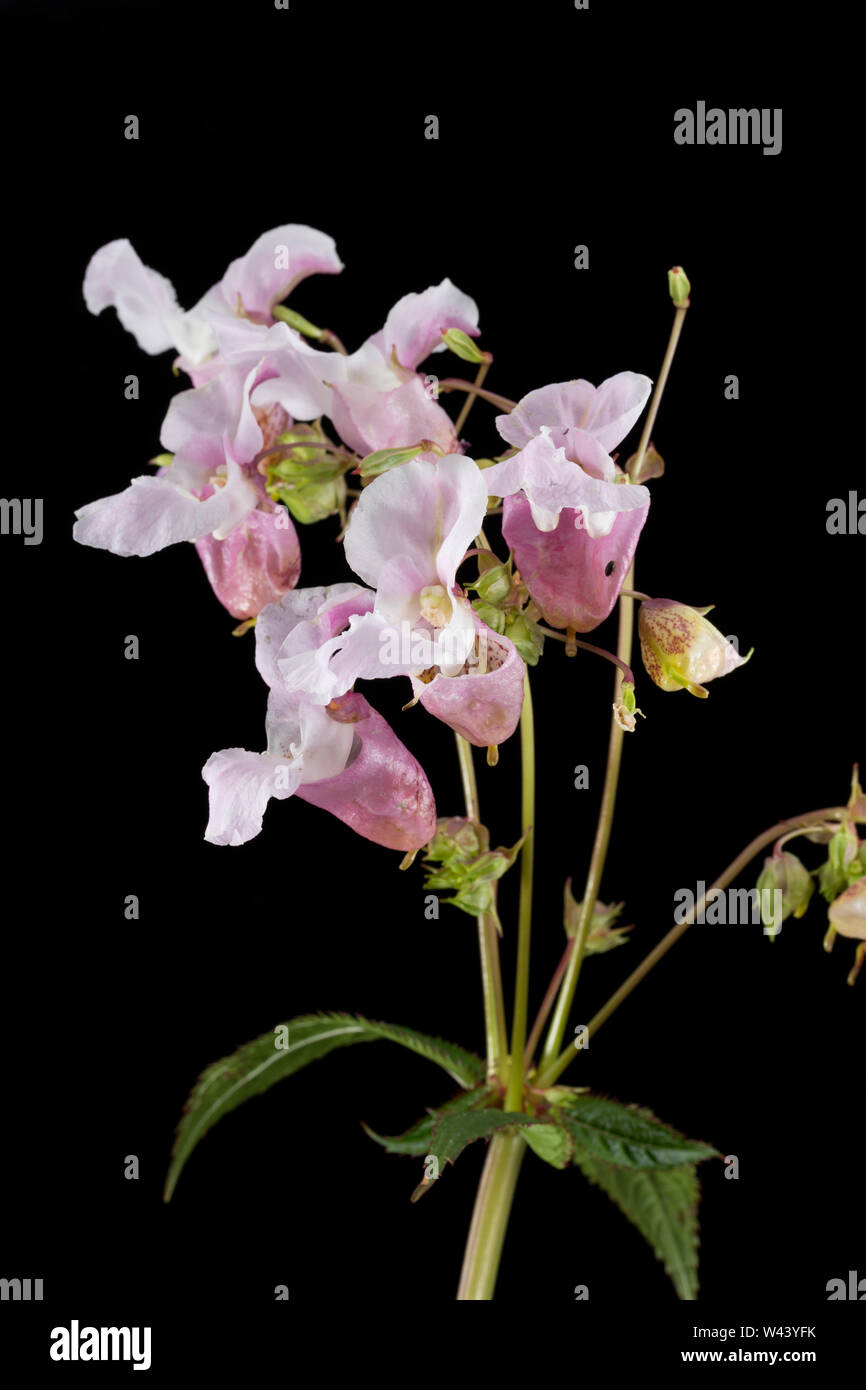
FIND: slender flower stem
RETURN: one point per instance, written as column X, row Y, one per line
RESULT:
column 514, row 1097
column 490, row 1217
column 731, row 872
column 471, row 398
column 456, row 383
column 495, row 1029
column 559, row 1021
column 627, row 672
column 547, row 1003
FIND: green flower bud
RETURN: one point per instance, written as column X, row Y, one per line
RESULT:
column 679, row 287
column 463, row 347
column 784, row 872
column 526, row 636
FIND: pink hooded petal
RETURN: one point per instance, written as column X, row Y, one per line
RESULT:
column 414, row 326
column 274, row 265
column 368, row 419
column 241, row 784
column 607, row 412
column 297, row 372
column 153, row 513
column 258, row 562
column 383, row 793
column 552, row 483
column 565, row 569
column 145, row 301
column 428, row 511
column 481, row 704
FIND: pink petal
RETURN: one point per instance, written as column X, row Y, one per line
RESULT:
column 368, row 419
column 552, row 483
column 153, row 513
column 428, row 512
column 414, row 326
column 484, row 708
column 383, row 794
column 564, row 569
column 258, row 562
column 607, row 412
column 241, row 785
column 274, row 265
column 145, row 301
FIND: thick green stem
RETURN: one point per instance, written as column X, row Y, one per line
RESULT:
column 495, row 1028
column 812, row 818
column 490, row 1217
column 514, row 1097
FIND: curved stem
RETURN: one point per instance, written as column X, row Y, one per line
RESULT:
column 495, row 1028
column 456, row 383
column 514, row 1097
column 490, row 1217
column 734, row 868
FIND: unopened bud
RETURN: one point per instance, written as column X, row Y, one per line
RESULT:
column 681, row 649
column 679, row 287
column 784, row 872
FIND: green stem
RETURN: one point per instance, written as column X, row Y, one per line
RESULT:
column 456, row 383
column 495, row 1028
column 559, row 1021
column 514, row 1097
column 734, row 868
column 490, row 1217
column 471, row 398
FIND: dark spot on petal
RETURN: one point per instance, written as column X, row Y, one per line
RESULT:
column 610, row 567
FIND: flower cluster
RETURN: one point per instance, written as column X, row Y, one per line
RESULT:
column 248, row 454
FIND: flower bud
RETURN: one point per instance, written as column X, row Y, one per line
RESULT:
column 848, row 913
column 462, row 346
column 680, row 648
column 679, row 287
column 785, row 872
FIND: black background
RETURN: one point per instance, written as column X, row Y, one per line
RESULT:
column 556, row 129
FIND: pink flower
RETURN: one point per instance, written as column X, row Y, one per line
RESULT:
column 211, row 493
column 379, row 401
column 571, row 518
column 482, row 701
column 406, row 538
column 147, row 305
column 342, row 757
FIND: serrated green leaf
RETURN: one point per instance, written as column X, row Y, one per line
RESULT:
column 663, row 1204
column 258, row 1065
column 452, row 1133
column 416, row 1140
column 551, row 1142
column 627, row 1135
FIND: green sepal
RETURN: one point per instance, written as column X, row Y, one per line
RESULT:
column 602, row 935
column 297, row 321
column 161, row 460
column 489, row 614
column 526, row 636
column 383, row 460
